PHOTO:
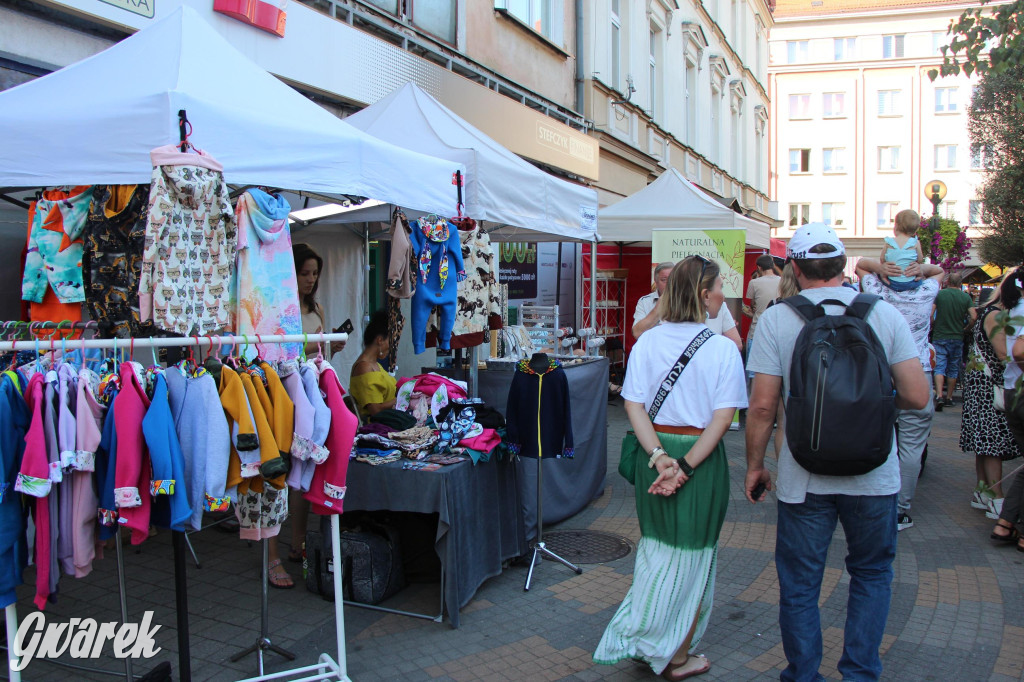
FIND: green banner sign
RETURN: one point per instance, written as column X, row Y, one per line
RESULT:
column 725, row 247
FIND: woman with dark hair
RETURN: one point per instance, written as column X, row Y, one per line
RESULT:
column 675, row 458
column 308, row 268
column 371, row 385
column 983, row 429
column 1008, row 343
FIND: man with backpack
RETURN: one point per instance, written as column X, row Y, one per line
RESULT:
column 915, row 305
column 845, row 362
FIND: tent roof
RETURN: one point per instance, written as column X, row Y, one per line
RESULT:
column 672, row 201
column 96, row 121
column 500, row 188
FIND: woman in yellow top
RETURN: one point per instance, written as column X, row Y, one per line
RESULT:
column 371, row 386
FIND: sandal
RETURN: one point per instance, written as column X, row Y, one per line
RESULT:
column 684, row 670
column 295, row 556
column 1011, row 535
column 278, row 579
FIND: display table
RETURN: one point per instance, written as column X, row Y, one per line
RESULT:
column 569, row 484
column 478, row 516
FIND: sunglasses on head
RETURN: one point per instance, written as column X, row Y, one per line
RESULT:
column 704, row 262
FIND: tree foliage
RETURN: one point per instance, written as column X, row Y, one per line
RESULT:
column 999, row 27
column 996, row 126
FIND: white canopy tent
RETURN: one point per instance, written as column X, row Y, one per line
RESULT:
column 674, row 202
column 516, row 200
column 95, row 122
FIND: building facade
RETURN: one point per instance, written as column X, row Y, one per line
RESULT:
column 675, row 83
column 858, row 129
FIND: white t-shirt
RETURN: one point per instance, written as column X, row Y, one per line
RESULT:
column 772, row 353
column 916, row 307
column 644, row 307
column 712, row 380
column 1012, row 371
column 721, row 324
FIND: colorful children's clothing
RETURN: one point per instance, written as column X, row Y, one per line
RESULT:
column 133, row 474
column 262, row 505
column 305, row 452
column 171, row 507
column 34, row 480
column 205, row 440
column 89, row 415
column 14, row 422
column 106, row 472
column 266, row 298
column 435, row 241
column 115, row 236
column 54, row 256
column 327, row 490
column 479, row 300
column 538, row 414
column 190, row 245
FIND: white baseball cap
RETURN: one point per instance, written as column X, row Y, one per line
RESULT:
column 810, row 235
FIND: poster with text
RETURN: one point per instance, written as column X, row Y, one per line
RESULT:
column 725, row 247
column 517, row 267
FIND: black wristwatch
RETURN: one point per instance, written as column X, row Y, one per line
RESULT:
column 687, row 469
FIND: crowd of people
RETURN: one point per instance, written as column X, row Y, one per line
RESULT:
column 849, row 377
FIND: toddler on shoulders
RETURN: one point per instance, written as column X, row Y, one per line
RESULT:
column 903, row 248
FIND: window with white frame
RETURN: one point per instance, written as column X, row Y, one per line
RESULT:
column 543, row 16
column 616, row 51
column 945, row 156
column 939, row 40
column 975, row 212
column 436, row 17
column 799, row 160
column 888, row 159
column 716, row 120
column 799, row 214
column 799, row 106
column 833, row 105
column 949, row 209
column 691, row 101
column 946, row 100
column 655, row 71
column 892, row 46
column 982, row 157
column 833, row 213
column 833, row 160
column 886, row 212
column 844, row 48
column 797, row 51
column 889, row 102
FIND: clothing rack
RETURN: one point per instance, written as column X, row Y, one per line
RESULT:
column 327, row 668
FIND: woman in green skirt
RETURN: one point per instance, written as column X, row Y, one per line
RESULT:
column 675, row 459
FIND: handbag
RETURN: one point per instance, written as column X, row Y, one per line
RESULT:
column 627, row 455
column 998, row 396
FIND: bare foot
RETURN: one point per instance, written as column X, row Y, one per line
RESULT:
column 691, row 667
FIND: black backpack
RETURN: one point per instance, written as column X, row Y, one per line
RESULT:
column 841, row 407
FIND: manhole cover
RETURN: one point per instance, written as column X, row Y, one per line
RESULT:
column 587, row 546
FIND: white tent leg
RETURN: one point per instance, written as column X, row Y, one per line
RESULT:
column 12, row 633
column 339, row 601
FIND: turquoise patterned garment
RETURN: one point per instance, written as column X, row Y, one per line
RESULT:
column 54, row 255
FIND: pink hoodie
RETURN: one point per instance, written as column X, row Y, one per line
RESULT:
column 327, row 490
column 134, row 471
column 34, row 480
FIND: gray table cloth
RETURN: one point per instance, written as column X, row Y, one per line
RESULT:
column 478, row 516
column 569, row 484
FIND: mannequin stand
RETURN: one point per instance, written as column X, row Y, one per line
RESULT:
column 538, row 546
column 263, row 643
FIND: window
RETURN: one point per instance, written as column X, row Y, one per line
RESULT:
column 386, row 5
column 844, row 48
column 945, row 156
column 939, row 41
column 887, row 211
column 716, row 123
column 799, row 106
column 982, row 157
column 975, row 212
column 949, row 209
column 616, row 46
column 655, row 73
column 797, row 51
column 892, row 46
column 799, row 160
column 945, row 100
column 799, row 214
column 833, row 160
column 833, row 105
column 833, row 214
column 888, row 159
column 691, row 102
column 889, row 102
column 543, row 16
column 436, row 17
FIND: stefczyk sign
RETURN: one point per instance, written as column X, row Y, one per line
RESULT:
column 82, row 638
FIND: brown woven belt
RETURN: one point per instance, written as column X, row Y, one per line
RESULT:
column 678, row 430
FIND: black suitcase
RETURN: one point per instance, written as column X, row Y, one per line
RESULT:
column 372, row 559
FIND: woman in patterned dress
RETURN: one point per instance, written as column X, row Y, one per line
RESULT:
column 983, row 429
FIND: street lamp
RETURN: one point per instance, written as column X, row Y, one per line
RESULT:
column 935, row 190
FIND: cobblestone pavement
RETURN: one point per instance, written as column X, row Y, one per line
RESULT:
column 957, row 610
